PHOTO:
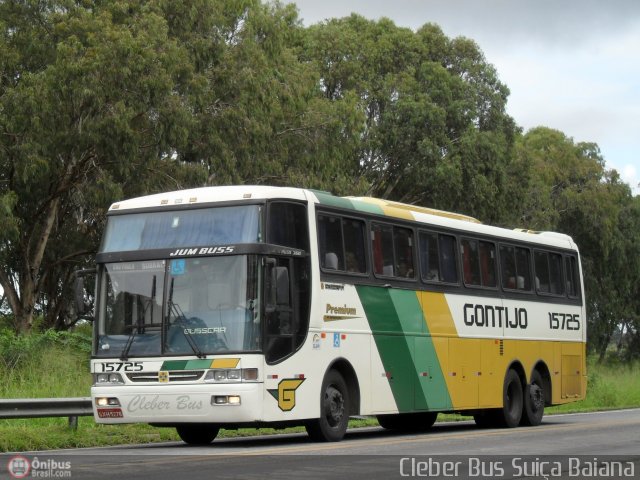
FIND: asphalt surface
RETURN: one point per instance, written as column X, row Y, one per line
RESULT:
column 594, row 445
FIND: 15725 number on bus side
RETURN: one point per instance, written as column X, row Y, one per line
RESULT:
column 562, row 321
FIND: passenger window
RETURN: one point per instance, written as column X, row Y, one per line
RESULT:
column 542, row 272
column 392, row 249
column 438, row 258
column 342, row 244
column 448, row 261
column 330, row 239
column 555, row 274
column 403, row 242
column 354, row 245
column 548, row 273
column 479, row 263
column 470, row 262
column 382, row 245
column 573, row 279
column 515, row 268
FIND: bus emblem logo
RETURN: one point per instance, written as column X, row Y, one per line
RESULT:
column 163, row 376
column 286, row 393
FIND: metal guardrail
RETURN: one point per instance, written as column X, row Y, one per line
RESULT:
column 46, row 407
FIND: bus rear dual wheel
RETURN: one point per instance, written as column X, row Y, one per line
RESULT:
column 520, row 407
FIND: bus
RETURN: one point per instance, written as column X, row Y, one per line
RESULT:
column 253, row 306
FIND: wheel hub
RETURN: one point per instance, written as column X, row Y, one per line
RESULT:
column 334, row 406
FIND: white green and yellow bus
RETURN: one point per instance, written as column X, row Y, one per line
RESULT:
column 228, row 307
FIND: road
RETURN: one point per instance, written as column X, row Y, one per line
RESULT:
column 371, row 453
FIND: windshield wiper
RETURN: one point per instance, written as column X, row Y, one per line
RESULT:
column 181, row 319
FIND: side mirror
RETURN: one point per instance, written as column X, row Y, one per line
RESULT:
column 282, row 286
column 79, row 292
column 276, row 286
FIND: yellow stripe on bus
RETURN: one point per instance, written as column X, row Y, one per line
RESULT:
column 225, row 363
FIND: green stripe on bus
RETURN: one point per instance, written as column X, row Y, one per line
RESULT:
column 406, row 349
column 333, row 201
column 327, row 199
column 367, row 207
column 198, row 364
column 430, row 379
column 174, row 365
column 396, row 349
column 185, row 364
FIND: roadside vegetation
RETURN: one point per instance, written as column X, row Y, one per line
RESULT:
column 56, row 364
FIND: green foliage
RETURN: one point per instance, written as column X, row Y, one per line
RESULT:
column 436, row 131
column 18, row 350
column 568, row 189
column 611, row 384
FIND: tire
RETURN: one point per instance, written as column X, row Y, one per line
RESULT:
column 197, row 434
column 534, row 394
column 334, row 410
column 408, row 422
column 512, row 401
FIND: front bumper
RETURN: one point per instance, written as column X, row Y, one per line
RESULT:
column 178, row 403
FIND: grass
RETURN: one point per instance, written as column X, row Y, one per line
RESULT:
column 610, row 385
column 56, row 365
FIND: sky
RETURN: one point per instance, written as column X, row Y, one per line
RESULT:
column 571, row 65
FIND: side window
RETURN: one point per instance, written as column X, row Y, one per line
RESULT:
column 542, row 272
column 555, row 274
column 548, row 273
column 438, row 257
column 573, row 279
column 448, row 261
column 515, row 268
column 342, row 244
column 470, row 261
column 330, row 240
column 288, row 225
column 479, row 263
column 523, row 269
column 488, row 264
column 403, row 242
column 354, row 246
column 392, row 249
column 382, row 247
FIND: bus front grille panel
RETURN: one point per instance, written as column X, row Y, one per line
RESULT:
column 173, row 376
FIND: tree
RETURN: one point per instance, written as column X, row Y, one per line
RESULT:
column 110, row 99
column 258, row 115
column 436, row 131
column 568, row 189
column 87, row 112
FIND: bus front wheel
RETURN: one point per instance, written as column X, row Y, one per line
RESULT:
column 195, row 434
column 334, row 410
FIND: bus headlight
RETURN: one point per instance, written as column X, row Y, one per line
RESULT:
column 235, row 375
column 225, row 400
column 107, row 379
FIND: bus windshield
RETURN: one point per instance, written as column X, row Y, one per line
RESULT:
column 183, row 306
column 179, row 228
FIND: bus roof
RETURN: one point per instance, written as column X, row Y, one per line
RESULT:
column 460, row 222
